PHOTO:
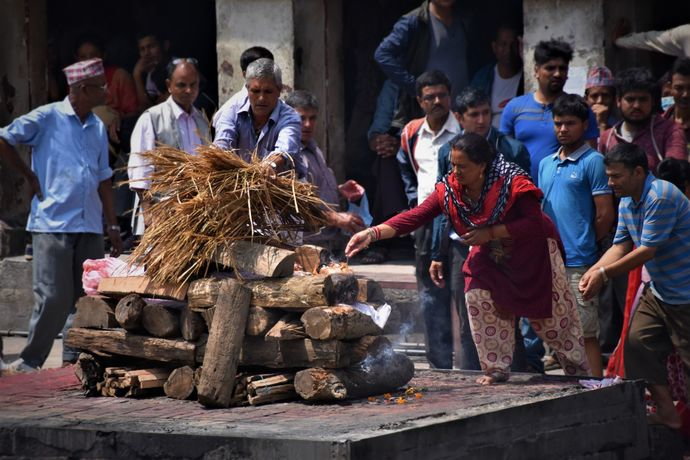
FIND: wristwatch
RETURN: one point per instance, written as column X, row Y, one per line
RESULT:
column 115, row 228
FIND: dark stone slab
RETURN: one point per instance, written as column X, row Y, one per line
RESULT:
column 44, row 415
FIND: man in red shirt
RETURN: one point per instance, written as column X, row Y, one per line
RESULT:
column 680, row 90
column 659, row 138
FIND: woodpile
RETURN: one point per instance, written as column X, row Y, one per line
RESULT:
column 231, row 341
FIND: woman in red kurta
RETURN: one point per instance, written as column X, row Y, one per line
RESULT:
column 515, row 266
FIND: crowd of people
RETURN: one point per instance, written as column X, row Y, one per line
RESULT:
column 532, row 213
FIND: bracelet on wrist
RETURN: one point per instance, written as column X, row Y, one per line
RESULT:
column 602, row 270
column 115, row 228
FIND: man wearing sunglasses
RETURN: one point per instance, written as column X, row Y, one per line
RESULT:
column 70, row 181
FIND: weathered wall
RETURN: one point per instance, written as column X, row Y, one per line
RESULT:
column 319, row 69
column 241, row 24
column 578, row 22
column 16, row 296
column 22, row 87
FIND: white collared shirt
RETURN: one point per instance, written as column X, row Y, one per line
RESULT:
column 426, row 154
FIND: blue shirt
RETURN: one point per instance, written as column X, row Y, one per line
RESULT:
column 531, row 123
column 281, row 133
column 232, row 105
column 70, row 159
column 661, row 219
column 569, row 186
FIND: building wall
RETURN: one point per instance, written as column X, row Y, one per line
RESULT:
column 22, row 87
column 578, row 22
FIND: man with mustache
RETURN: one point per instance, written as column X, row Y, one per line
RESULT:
column 660, row 138
column 263, row 124
column 421, row 141
column 529, row 118
column 680, row 90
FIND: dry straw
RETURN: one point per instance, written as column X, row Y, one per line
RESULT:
column 209, row 200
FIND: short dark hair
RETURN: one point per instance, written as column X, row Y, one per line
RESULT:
column 301, row 99
column 674, row 171
column 630, row 155
column 506, row 25
column 681, row 66
column 470, row 97
column 476, row 147
column 546, row 51
column 636, row 79
column 155, row 33
column 252, row 54
column 571, row 104
column 431, row 78
column 94, row 39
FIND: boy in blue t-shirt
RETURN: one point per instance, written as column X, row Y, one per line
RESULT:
column 529, row 118
column 578, row 199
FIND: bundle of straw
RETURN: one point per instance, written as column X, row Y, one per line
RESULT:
column 209, row 200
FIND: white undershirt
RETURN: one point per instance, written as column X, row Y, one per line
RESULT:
column 426, row 154
column 502, row 91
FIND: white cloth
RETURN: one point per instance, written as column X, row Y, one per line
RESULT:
column 502, row 91
column 426, row 154
column 675, row 42
column 144, row 138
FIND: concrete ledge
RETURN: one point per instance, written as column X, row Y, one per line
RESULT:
column 44, row 415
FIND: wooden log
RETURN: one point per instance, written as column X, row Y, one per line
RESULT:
column 95, row 311
column 379, row 376
column 257, row 259
column 370, row 292
column 303, row 292
column 180, row 383
column 207, row 314
column 270, row 388
column 120, row 342
column 142, row 285
column 129, row 312
column 261, row 320
column 202, row 293
column 341, row 322
column 289, row 327
column 160, row 321
column 224, row 345
column 192, row 325
column 311, row 257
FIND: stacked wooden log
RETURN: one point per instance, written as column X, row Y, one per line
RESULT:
column 227, row 341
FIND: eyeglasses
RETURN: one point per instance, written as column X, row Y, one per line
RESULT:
column 103, row 87
column 433, row 97
column 191, row 60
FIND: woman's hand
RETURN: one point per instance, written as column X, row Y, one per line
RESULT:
column 359, row 241
column 436, row 273
column 477, row 237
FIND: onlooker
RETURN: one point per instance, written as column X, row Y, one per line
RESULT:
column 474, row 114
column 264, row 123
column 578, row 200
column 149, row 71
column 434, row 36
column 528, row 118
column 175, row 122
column 319, row 174
column 676, row 172
column 636, row 93
column 675, row 41
column 238, row 99
column 600, row 94
column 654, row 218
column 70, row 180
column 502, row 80
column 680, row 91
column 418, row 158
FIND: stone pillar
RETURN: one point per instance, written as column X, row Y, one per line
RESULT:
column 22, row 88
column 578, row 22
column 241, row 24
column 319, row 69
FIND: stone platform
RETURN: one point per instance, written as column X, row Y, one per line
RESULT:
column 44, row 415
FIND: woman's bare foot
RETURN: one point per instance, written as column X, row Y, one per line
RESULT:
column 670, row 419
column 491, row 378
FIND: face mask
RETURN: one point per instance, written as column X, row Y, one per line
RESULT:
column 666, row 102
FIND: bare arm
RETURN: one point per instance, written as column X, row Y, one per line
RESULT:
column 105, row 192
column 605, row 215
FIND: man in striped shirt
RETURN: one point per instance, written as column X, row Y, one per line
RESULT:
column 654, row 218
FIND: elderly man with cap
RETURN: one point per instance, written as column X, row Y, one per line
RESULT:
column 600, row 94
column 70, row 180
column 263, row 124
